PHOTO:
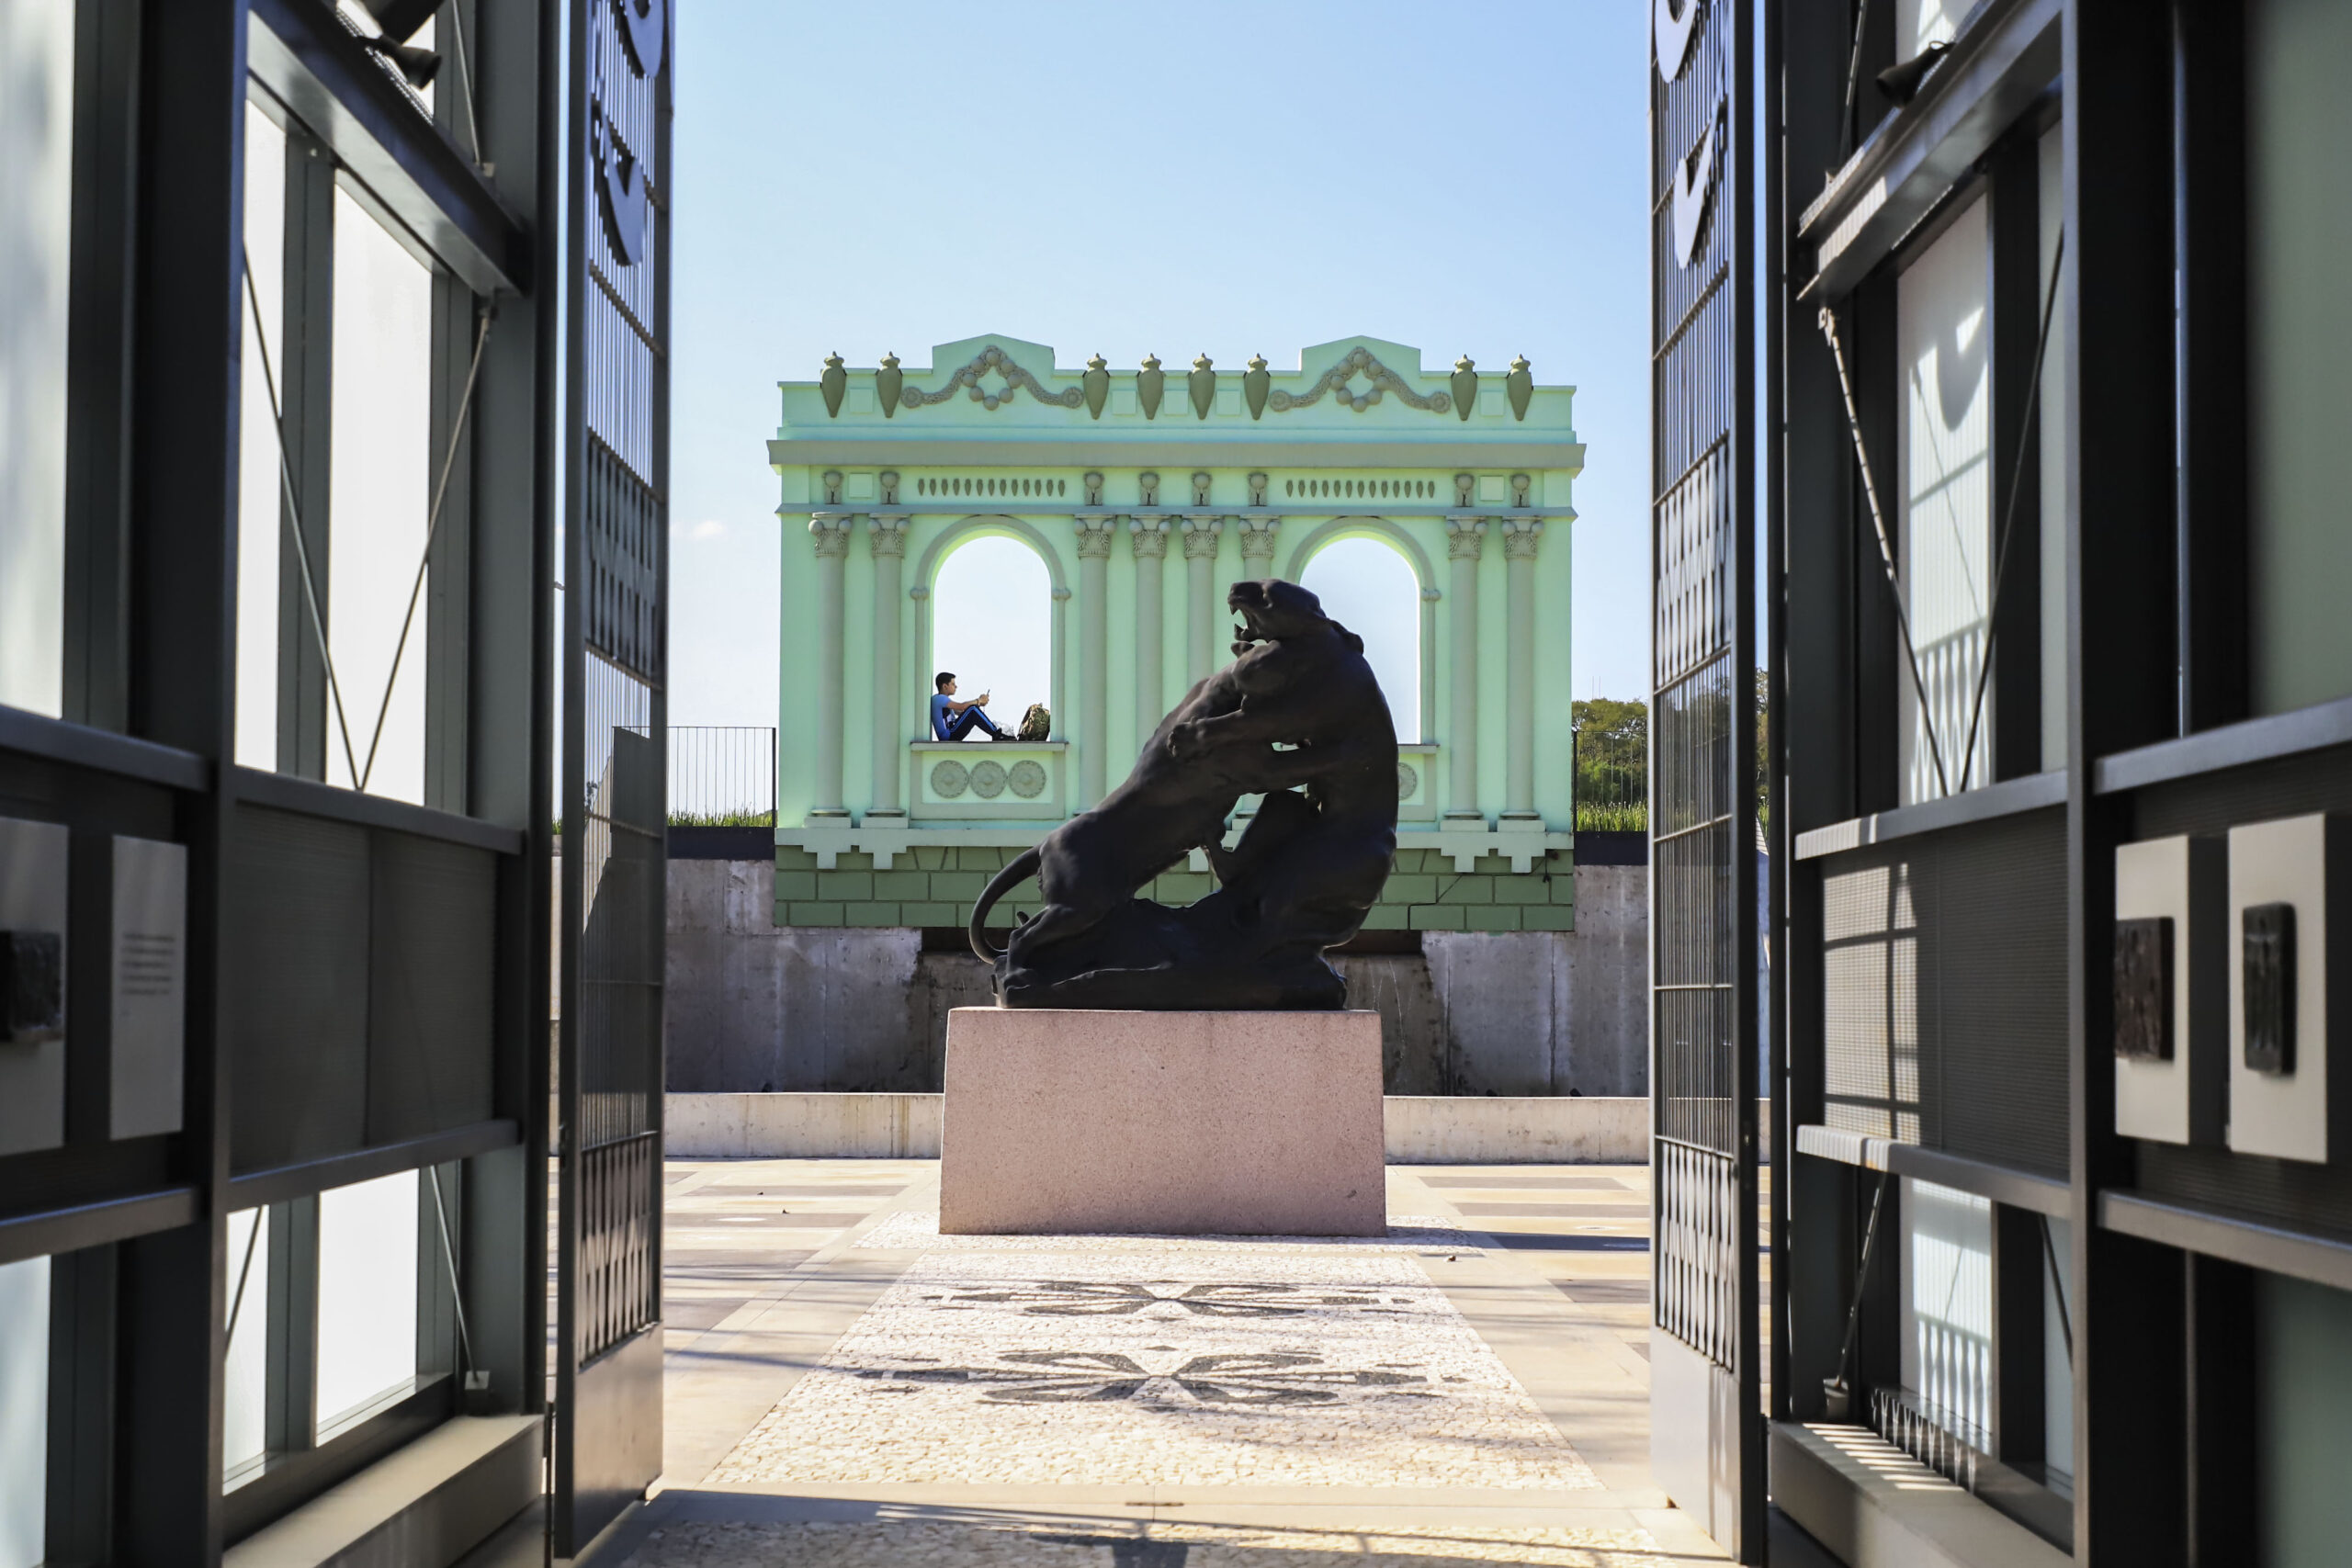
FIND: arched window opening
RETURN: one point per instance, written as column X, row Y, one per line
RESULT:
column 1370, row 589
column 991, row 625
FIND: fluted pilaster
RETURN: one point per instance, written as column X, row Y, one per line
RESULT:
column 1094, row 536
column 1465, row 542
column 888, row 535
column 1521, row 536
column 829, row 532
column 1202, row 605
column 1149, row 536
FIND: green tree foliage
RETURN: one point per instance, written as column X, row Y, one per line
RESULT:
column 1612, row 764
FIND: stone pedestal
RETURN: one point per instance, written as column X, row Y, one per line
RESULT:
column 1181, row 1123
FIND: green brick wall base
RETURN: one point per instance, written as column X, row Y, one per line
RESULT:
column 935, row 886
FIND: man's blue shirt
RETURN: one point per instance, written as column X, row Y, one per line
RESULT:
column 943, row 714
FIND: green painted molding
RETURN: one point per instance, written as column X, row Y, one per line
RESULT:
column 1339, row 529
column 978, row 525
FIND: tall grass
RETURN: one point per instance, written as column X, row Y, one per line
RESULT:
column 1612, row 817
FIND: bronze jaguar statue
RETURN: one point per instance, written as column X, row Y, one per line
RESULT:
column 1298, row 718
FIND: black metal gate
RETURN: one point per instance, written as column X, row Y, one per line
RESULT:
column 616, row 569
column 1706, row 1417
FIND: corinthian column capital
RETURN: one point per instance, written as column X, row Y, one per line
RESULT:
column 829, row 533
column 1466, row 538
column 1150, row 535
column 1519, row 537
column 889, row 535
column 1094, row 536
column 1258, row 538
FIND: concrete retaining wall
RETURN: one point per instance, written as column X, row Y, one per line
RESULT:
column 802, row 1126
column 756, row 1007
column 1421, row 1129
column 1520, row 1130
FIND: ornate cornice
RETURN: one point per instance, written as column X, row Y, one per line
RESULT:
column 1382, row 379
column 968, row 381
column 1198, row 390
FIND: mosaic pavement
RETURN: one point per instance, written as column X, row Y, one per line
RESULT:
column 847, row 1387
column 1176, row 1365
column 1090, row 1544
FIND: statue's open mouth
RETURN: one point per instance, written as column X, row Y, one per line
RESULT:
column 1246, row 630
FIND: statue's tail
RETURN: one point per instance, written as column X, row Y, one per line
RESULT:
column 1023, row 866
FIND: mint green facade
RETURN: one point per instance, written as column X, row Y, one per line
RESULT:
column 1146, row 493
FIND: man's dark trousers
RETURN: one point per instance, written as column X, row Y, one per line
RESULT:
column 970, row 718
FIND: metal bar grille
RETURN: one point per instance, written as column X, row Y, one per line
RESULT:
column 722, row 774
column 619, row 1279
column 615, row 754
column 1703, row 821
column 1696, row 1219
column 622, row 871
column 620, row 605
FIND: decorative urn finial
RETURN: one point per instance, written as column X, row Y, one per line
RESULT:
column 1096, row 384
column 1521, row 385
column 888, row 382
column 832, row 384
column 1254, row 385
column 1202, row 383
column 1150, row 382
column 1465, row 385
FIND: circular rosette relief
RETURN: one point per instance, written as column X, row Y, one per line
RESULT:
column 1027, row 779
column 988, row 780
column 949, row 779
column 1408, row 781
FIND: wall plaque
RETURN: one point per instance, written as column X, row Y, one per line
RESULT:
column 150, row 985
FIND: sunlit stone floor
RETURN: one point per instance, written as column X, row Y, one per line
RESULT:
column 846, row 1386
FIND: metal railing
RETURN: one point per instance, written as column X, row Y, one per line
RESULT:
column 722, row 775
column 1608, row 799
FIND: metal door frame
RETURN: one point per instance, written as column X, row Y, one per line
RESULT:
column 607, row 1346
column 1706, row 1390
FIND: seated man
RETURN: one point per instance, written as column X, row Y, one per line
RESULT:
column 952, row 721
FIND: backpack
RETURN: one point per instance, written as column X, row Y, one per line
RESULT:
column 1037, row 723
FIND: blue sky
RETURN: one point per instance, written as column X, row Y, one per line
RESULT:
column 1222, row 177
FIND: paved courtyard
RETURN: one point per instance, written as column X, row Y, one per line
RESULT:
column 847, row 1386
